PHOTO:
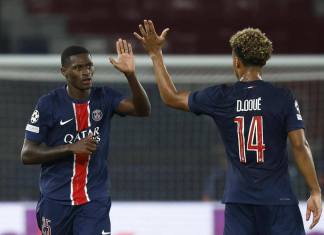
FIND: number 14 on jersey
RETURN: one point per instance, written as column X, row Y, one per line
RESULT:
column 255, row 138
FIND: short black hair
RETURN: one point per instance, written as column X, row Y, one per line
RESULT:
column 70, row 51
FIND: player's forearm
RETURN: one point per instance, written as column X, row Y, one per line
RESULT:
column 39, row 154
column 168, row 91
column 140, row 99
column 304, row 161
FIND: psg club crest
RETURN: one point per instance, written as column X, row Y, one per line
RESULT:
column 96, row 115
column 35, row 116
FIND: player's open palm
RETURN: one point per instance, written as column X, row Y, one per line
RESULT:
column 125, row 57
column 151, row 41
column 84, row 146
column 314, row 205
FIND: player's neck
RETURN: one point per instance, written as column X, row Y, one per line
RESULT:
column 251, row 75
column 77, row 93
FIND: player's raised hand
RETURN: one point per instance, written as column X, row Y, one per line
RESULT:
column 314, row 205
column 125, row 57
column 84, row 146
column 151, row 41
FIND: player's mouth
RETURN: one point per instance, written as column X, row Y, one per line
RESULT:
column 86, row 81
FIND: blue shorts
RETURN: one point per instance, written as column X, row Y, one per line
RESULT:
column 54, row 218
column 245, row 219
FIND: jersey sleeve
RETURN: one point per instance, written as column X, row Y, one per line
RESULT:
column 294, row 120
column 40, row 121
column 114, row 98
column 205, row 101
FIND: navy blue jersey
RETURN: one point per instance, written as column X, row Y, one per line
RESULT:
column 59, row 119
column 254, row 119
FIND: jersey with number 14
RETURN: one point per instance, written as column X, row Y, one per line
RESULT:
column 254, row 119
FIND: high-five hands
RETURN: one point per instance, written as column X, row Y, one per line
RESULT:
column 152, row 42
column 125, row 57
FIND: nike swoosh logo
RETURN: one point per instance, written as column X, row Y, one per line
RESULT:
column 105, row 233
column 67, row 121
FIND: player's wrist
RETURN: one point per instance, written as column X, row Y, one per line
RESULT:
column 68, row 148
column 155, row 53
column 315, row 191
column 129, row 74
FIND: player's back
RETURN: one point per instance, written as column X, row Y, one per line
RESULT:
column 254, row 119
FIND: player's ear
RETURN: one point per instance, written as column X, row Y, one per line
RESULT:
column 63, row 71
column 237, row 62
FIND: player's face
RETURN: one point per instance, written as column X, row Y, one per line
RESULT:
column 79, row 72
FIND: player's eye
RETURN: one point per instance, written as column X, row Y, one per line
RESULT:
column 90, row 66
column 77, row 67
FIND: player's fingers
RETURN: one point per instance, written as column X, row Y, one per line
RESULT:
column 151, row 27
column 118, row 47
column 146, row 26
column 313, row 224
column 130, row 49
column 316, row 217
column 92, row 147
column 91, row 144
column 125, row 46
column 89, row 136
column 138, row 37
column 308, row 213
column 121, row 46
column 142, row 30
column 93, row 141
column 164, row 33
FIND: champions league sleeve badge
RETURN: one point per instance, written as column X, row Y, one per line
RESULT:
column 34, row 117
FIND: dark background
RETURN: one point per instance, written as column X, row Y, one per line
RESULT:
column 197, row 26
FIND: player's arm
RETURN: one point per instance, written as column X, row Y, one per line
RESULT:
column 153, row 45
column 139, row 104
column 304, row 161
column 37, row 153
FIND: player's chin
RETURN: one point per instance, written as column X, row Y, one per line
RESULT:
column 86, row 84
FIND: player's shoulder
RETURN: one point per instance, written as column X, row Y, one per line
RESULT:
column 278, row 90
column 101, row 89
column 217, row 90
column 104, row 91
column 51, row 95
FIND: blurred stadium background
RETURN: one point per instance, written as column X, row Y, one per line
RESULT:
column 171, row 156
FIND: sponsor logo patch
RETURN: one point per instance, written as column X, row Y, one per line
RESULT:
column 32, row 128
column 62, row 123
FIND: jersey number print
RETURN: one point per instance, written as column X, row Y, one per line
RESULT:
column 255, row 138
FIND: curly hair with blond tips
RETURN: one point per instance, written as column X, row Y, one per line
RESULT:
column 252, row 46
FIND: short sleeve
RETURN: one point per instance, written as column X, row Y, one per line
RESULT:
column 113, row 98
column 294, row 120
column 40, row 121
column 205, row 101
